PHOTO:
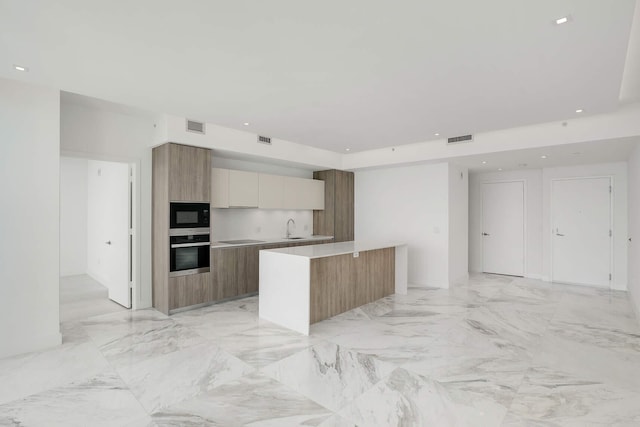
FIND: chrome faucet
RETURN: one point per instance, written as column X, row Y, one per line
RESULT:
column 294, row 225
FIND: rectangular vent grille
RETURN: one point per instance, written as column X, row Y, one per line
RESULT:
column 193, row 126
column 458, row 139
column 264, row 140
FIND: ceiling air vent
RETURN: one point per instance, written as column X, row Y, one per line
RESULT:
column 459, row 139
column 193, row 126
column 264, row 140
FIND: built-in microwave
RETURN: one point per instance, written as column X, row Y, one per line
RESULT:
column 189, row 254
column 189, row 215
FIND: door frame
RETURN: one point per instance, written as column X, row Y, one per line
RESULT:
column 611, row 225
column 134, row 215
column 525, row 270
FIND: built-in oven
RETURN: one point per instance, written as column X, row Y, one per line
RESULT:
column 189, row 254
column 188, row 215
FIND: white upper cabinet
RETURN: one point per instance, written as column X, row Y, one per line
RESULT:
column 300, row 193
column 240, row 189
column 219, row 188
column 243, row 189
column 271, row 191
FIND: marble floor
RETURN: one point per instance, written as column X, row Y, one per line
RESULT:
column 493, row 351
column 81, row 297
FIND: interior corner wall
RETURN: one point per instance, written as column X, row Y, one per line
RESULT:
column 107, row 135
column 618, row 172
column 532, row 179
column 29, row 220
column 458, row 223
column 73, row 216
column 409, row 205
column 634, row 230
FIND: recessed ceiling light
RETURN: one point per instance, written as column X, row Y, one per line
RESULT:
column 499, row 169
column 579, row 110
column 543, row 157
column 246, row 123
column 347, row 149
column 20, row 67
column 562, row 20
column 436, row 134
column 484, row 162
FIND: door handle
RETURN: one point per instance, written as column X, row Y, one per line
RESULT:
column 558, row 234
column 108, row 242
column 486, row 234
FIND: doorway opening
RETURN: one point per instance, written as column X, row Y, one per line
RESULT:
column 97, row 237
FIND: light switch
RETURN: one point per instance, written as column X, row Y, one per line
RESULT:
column 356, row 254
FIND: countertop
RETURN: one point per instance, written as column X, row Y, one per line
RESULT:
column 333, row 249
column 270, row 241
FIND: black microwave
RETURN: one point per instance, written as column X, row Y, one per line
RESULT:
column 189, row 215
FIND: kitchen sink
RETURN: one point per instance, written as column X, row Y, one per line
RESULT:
column 241, row 241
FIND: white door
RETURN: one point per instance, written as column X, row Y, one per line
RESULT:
column 109, row 216
column 581, row 220
column 503, row 228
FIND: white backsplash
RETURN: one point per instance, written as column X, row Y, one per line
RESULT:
column 227, row 224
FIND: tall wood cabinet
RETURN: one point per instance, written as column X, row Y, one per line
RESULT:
column 337, row 218
column 180, row 173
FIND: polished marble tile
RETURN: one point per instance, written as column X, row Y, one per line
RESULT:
column 31, row 373
column 403, row 399
column 561, row 398
column 182, row 374
column 265, row 344
column 489, row 351
column 102, row 400
column 329, row 374
column 254, row 400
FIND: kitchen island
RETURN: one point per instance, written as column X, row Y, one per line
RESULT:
column 303, row 285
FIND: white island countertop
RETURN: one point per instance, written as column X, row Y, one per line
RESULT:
column 333, row 249
column 267, row 241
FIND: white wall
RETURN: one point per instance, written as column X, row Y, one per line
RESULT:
column 29, row 218
column 538, row 215
column 533, row 217
column 408, row 205
column 458, row 223
column 618, row 172
column 634, row 230
column 110, row 135
column 73, row 216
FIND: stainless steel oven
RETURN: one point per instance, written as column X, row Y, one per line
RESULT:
column 189, row 253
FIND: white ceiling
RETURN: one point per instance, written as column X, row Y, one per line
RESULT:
column 360, row 74
column 592, row 152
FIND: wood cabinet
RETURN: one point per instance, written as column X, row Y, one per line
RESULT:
column 337, row 218
column 179, row 173
column 236, row 270
column 300, row 193
column 189, row 173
